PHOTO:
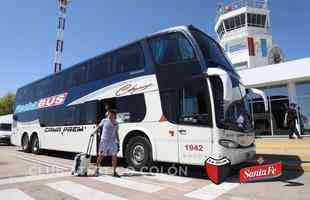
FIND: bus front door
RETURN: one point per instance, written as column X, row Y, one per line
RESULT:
column 194, row 144
column 195, row 122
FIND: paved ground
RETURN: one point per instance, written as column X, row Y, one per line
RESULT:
column 27, row 176
column 294, row 153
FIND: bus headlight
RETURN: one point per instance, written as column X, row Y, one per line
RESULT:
column 228, row 143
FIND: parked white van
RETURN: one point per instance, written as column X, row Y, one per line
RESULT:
column 6, row 128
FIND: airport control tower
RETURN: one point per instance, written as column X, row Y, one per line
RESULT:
column 243, row 29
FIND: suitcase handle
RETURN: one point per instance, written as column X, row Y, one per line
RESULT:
column 90, row 144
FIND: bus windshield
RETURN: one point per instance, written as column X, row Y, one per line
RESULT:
column 237, row 111
column 211, row 51
column 233, row 113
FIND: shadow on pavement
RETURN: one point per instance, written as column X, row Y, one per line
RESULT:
column 57, row 154
column 293, row 184
column 5, row 144
column 291, row 169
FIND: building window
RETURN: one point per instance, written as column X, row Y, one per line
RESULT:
column 271, row 122
column 220, row 30
column 280, row 91
column 256, row 20
column 303, row 101
column 235, row 22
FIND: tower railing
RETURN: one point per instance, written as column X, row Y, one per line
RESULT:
column 235, row 5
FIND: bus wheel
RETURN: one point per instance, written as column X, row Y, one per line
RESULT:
column 35, row 145
column 26, row 144
column 138, row 152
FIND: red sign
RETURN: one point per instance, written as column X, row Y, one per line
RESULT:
column 52, row 101
column 260, row 172
column 131, row 89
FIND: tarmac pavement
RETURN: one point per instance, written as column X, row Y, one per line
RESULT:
column 49, row 178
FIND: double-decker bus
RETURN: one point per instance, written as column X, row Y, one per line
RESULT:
column 178, row 100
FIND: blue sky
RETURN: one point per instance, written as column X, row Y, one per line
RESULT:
column 28, row 30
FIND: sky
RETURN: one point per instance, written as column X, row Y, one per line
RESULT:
column 28, row 30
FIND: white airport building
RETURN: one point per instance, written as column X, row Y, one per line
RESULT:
column 244, row 31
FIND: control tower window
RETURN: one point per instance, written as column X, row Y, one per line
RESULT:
column 256, row 20
column 220, row 30
column 235, row 22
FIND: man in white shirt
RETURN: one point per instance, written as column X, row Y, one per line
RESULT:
column 109, row 142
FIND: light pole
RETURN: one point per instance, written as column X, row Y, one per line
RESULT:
column 57, row 64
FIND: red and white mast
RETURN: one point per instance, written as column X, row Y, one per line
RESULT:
column 60, row 35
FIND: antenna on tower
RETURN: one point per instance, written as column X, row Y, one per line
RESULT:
column 62, row 4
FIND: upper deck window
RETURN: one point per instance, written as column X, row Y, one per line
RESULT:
column 128, row 59
column 171, row 48
column 73, row 77
column 98, row 68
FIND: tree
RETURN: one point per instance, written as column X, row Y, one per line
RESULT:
column 7, row 104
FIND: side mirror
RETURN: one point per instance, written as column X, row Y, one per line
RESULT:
column 261, row 94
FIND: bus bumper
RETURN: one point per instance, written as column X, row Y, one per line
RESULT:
column 239, row 155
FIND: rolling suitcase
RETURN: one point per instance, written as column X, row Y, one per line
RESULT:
column 82, row 160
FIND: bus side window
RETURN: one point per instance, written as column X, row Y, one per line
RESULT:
column 131, row 108
column 169, row 99
column 99, row 68
column 75, row 76
column 128, row 59
column 88, row 112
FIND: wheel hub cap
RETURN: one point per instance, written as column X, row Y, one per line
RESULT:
column 138, row 154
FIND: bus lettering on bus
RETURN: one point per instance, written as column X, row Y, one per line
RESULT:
column 52, row 101
column 132, row 89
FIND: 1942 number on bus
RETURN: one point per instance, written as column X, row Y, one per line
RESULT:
column 193, row 147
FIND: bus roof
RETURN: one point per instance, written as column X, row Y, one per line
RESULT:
column 168, row 30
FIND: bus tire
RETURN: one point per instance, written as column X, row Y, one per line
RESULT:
column 138, row 153
column 35, row 145
column 26, row 146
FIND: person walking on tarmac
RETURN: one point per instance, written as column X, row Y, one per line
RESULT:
column 301, row 121
column 291, row 121
column 109, row 142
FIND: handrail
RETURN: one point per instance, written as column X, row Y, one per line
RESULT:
column 236, row 4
